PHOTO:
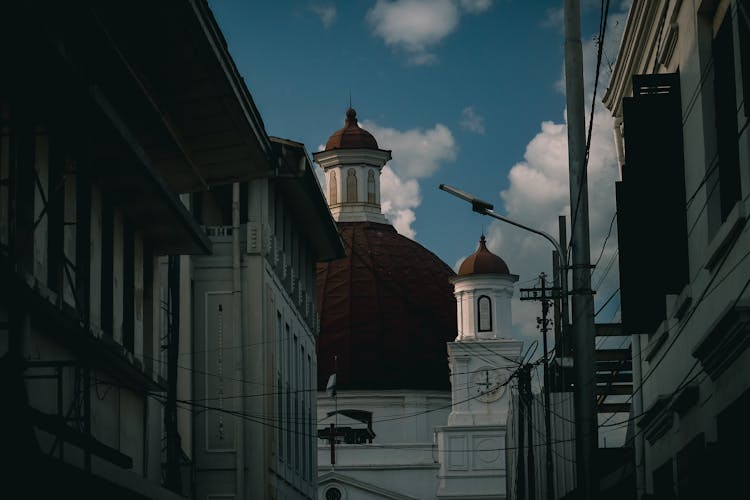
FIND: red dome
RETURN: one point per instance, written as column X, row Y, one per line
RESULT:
column 483, row 262
column 352, row 136
column 386, row 311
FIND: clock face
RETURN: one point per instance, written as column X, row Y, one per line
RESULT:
column 487, row 384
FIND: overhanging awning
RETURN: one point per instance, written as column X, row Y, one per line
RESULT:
column 167, row 64
column 300, row 187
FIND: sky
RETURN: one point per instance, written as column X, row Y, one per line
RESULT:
column 464, row 92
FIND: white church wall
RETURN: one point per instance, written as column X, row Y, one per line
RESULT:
column 401, row 460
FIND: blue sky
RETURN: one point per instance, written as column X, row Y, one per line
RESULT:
column 465, row 92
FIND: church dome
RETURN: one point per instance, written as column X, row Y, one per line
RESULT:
column 386, row 312
column 483, row 262
column 352, row 136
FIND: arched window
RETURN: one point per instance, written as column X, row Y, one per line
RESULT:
column 333, row 494
column 484, row 313
column 333, row 189
column 351, row 185
column 371, row 187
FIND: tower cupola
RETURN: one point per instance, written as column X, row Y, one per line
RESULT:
column 352, row 162
column 483, row 289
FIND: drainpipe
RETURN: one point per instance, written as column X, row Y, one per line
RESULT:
column 237, row 327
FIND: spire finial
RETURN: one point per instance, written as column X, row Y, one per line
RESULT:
column 350, row 98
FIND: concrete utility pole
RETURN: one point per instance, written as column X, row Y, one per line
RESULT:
column 544, row 295
column 582, row 300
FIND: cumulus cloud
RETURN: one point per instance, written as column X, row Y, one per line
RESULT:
column 399, row 199
column 471, row 121
column 416, row 26
column 417, row 154
column 326, row 12
column 413, row 26
column 538, row 191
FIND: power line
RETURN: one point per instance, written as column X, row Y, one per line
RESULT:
column 604, row 13
column 604, row 244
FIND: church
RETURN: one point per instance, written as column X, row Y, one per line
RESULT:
column 414, row 361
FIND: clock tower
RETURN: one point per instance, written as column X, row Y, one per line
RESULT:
column 482, row 360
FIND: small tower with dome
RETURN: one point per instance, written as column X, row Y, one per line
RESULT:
column 483, row 289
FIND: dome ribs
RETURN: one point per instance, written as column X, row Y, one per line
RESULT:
column 399, row 314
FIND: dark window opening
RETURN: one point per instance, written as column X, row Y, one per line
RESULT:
column 54, row 214
column 83, row 236
column 128, row 287
column 743, row 21
column 723, row 198
column 148, row 309
column 22, row 163
column 484, row 313
column 691, row 467
column 663, row 482
column 728, row 466
column 107, row 276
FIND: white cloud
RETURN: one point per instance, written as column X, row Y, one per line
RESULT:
column 413, row 25
column 539, row 191
column 416, row 26
column 471, row 121
column 417, row 154
column 399, row 199
column 326, row 12
column 475, row 6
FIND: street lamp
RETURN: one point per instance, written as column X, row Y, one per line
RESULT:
column 486, row 208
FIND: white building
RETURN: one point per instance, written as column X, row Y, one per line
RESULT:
column 254, row 327
column 387, row 315
column 680, row 93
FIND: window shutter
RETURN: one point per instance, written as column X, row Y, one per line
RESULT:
column 652, row 225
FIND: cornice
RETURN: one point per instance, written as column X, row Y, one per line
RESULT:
column 638, row 40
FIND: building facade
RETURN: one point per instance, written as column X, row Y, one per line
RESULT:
column 89, row 183
column 679, row 94
column 132, row 368
column 254, row 329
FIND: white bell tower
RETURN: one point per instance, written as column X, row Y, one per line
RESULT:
column 482, row 360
